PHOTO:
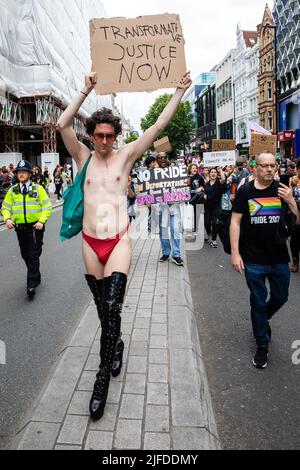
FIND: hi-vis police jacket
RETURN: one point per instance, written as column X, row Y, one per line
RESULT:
column 35, row 206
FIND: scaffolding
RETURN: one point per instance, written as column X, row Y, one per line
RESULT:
column 10, row 112
column 11, row 140
column 35, row 113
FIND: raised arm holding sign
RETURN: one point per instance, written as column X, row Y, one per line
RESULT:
column 137, row 54
column 106, row 244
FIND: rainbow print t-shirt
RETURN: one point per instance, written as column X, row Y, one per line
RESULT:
column 261, row 210
column 266, row 210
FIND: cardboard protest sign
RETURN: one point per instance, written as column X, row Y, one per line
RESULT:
column 162, row 145
column 163, row 185
column 137, row 54
column 223, row 145
column 261, row 143
column 211, row 159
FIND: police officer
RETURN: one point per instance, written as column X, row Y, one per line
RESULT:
column 27, row 208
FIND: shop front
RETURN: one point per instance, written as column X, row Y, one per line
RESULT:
column 286, row 142
column 289, row 135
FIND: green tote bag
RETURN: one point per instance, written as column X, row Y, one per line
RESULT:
column 72, row 213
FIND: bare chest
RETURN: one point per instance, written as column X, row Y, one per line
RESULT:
column 102, row 179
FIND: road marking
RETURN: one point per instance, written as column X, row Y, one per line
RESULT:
column 2, row 353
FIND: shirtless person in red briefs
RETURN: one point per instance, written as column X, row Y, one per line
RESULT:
column 106, row 244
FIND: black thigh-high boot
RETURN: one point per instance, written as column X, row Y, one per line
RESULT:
column 114, row 288
column 96, row 287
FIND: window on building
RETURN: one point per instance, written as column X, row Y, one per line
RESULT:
column 262, row 119
column 226, row 91
column 230, row 88
column 243, row 131
column 270, row 119
column 269, row 95
column 262, row 92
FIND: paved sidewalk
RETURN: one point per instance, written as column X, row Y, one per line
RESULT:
column 161, row 400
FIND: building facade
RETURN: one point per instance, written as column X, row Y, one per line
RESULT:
column 206, row 118
column 225, row 103
column 198, row 85
column 245, row 86
column 266, row 75
column 201, row 83
column 287, row 20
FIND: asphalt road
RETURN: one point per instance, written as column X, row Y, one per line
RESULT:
column 254, row 409
column 36, row 332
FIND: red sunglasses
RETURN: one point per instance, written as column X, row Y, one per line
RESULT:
column 99, row 137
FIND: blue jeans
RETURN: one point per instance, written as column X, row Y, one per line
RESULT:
column 262, row 309
column 175, row 236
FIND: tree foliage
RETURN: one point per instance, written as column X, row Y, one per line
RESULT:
column 179, row 128
column 132, row 137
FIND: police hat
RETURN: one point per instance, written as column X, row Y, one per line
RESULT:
column 24, row 165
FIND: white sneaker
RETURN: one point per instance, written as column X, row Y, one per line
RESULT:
column 214, row 244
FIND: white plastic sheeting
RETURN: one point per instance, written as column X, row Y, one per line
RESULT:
column 45, row 48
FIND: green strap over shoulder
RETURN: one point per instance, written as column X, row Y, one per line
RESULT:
column 82, row 174
column 72, row 214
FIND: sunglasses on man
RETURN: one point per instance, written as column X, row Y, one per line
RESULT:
column 99, row 137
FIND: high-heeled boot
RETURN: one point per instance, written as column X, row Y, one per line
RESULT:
column 118, row 360
column 96, row 287
column 113, row 294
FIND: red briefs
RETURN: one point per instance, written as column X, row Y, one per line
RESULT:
column 104, row 248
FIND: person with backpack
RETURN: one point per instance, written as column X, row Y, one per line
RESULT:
column 262, row 252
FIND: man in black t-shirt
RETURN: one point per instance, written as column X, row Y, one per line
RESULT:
column 256, row 210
